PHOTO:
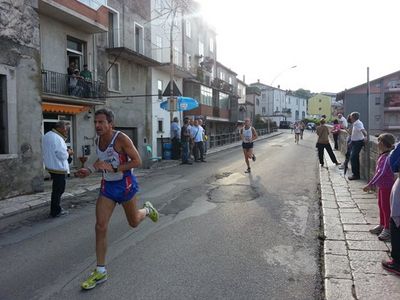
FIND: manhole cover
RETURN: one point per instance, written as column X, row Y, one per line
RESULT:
column 232, row 193
column 276, row 145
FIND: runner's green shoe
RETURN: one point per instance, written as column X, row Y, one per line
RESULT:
column 94, row 279
column 153, row 213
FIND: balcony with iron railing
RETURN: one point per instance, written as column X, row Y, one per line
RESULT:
column 222, row 85
column 65, row 85
column 85, row 15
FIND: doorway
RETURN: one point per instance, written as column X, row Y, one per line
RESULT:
column 132, row 132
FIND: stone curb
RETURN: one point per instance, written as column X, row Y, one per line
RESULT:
column 19, row 204
column 352, row 255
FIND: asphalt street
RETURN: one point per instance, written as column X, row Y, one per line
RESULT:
column 223, row 234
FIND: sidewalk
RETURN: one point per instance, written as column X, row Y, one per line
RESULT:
column 352, row 255
column 77, row 186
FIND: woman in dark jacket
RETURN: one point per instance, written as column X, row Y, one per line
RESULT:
column 323, row 143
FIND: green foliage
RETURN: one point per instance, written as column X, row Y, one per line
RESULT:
column 259, row 123
column 311, row 120
column 302, row 93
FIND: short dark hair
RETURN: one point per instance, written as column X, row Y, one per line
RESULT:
column 107, row 112
column 335, row 121
column 355, row 115
column 62, row 124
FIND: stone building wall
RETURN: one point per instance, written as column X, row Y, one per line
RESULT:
column 21, row 162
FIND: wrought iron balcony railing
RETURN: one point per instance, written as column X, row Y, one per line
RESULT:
column 69, row 85
column 222, row 85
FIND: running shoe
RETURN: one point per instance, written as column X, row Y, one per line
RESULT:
column 153, row 213
column 94, row 279
column 253, row 157
column 385, row 235
column 376, row 230
column 391, row 266
column 248, row 170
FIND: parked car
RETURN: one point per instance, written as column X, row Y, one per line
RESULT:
column 284, row 124
column 311, row 126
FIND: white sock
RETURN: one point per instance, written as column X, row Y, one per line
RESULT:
column 147, row 211
column 101, row 269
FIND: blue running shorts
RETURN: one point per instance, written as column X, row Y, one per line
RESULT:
column 120, row 191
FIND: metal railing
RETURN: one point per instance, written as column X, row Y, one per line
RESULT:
column 66, row 85
column 229, row 138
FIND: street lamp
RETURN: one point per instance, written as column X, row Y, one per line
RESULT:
column 276, row 77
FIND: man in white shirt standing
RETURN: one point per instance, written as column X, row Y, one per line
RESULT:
column 197, row 135
column 342, row 121
column 358, row 139
column 55, row 158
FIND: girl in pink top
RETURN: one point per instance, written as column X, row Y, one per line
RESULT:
column 335, row 133
column 383, row 180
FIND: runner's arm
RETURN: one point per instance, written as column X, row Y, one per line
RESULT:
column 129, row 148
column 255, row 136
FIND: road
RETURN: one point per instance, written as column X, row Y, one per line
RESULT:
column 223, row 234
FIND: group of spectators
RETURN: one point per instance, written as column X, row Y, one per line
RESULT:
column 356, row 140
column 188, row 140
column 79, row 82
column 384, row 180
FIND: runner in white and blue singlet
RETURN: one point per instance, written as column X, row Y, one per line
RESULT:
column 117, row 186
column 117, row 156
column 248, row 134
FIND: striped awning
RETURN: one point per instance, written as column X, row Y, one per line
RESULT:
column 63, row 108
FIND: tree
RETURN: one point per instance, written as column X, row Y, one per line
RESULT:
column 303, row 93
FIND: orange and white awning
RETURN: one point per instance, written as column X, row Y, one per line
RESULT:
column 63, row 108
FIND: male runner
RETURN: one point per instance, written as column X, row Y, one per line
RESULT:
column 248, row 134
column 117, row 156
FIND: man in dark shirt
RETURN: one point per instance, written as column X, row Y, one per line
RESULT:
column 185, row 139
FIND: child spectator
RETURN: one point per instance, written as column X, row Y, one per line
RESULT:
column 383, row 179
column 393, row 265
column 335, row 133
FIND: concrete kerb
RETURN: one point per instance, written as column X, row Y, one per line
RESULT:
column 351, row 253
column 15, row 205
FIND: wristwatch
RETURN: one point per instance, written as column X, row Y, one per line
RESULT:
column 115, row 169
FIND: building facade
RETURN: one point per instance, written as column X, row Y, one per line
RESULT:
column 319, row 105
column 253, row 96
column 20, row 100
column 213, row 84
column 241, row 92
column 70, row 35
column 296, row 107
column 124, row 49
column 383, row 107
column 279, row 105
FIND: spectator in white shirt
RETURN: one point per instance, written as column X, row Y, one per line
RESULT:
column 197, row 135
column 55, row 158
column 358, row 139
column 342, row 121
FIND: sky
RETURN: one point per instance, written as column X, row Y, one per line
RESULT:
column 331, row 43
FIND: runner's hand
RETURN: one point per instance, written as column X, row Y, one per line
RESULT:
column 82, row 173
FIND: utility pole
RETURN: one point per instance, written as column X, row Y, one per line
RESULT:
column 367, row 154
column 172, row 100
